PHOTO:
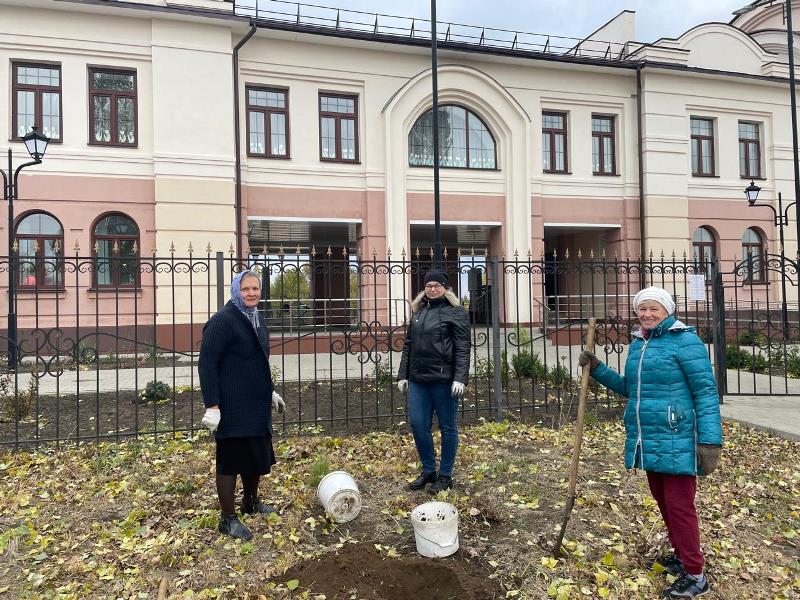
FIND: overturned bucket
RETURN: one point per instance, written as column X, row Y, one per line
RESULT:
column 339, row 496
column 435, row 529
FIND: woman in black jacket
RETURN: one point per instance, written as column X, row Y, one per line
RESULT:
column 239, row 397
column 434, row 371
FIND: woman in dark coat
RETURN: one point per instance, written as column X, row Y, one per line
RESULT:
column 239, row 397
column 434, row 370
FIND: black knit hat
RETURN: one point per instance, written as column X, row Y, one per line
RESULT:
column 437, row 276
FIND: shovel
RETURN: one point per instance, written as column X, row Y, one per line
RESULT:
column 576, row 450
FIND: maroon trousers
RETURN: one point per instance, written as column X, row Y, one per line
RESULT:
column 675, row 497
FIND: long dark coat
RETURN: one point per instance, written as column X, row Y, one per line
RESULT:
column 235, row 375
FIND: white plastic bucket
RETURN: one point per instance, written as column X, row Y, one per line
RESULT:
column 338, row 494
column 435, row 529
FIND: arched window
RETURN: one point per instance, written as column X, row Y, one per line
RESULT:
column 115, row 240
column 703, row 252
column 464, row 140
column 40, row 237
column 753, row 256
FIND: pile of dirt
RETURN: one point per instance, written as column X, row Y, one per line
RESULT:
column 360, row 570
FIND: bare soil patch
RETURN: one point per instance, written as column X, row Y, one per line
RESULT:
column 360, row 570
column 332, row 407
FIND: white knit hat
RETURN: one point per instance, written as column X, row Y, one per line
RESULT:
column 658, row 294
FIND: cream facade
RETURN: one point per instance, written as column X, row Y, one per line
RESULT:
column 179, row 182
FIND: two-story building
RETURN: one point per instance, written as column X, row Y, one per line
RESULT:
column 272, row 127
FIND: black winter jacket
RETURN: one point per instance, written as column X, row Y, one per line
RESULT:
column 437, row 343
column 234, row 373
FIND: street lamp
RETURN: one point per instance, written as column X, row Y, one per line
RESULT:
column 793, row 102
column 36, row 144
column 437, row 221
column 781, row 221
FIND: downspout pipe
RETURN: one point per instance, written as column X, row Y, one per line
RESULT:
column 642, row 213
column 237, row 147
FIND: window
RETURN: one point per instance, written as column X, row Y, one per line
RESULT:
column 41, row 240
column 604, row 161
column 554, row 142
column 338, row 128
column 749, row 151
column 753, row 256
column 112, row 107
column 115, row 239
column 268, row 118
column 464, row 140
column 37, row 99
column 702, row 131
column 703, row 254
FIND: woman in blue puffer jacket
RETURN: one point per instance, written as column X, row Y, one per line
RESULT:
column 673, row 425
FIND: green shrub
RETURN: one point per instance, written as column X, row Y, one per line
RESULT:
column 84, row 353
column 155, row 391
column 16, row 405
column 793, row 362
column 740, row 358
column 318, row 470
column 559, row 375
column 484, row 369
column 752, row 338
column 529, row 365
column 275, row 370
column 522, row 364
column 383, row 374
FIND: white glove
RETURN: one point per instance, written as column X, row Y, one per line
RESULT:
column 211, row 419
column 457, row 390
column 277, row 402
column 402, row 385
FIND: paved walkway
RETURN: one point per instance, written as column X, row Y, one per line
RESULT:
column 779, row 415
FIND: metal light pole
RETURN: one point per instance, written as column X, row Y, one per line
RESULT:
column 793, row 98
column 36, row 144
column 781, row 220
column 437, row 234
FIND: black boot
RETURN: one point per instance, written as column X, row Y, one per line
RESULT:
column 233, row 527
column 443, row 482
column 254, row 505
column 421, row 481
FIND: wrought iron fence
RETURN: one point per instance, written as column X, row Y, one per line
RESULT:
column 89, row 362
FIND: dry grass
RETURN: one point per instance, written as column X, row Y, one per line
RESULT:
column 116, row 521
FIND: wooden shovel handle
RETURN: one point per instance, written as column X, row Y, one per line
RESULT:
column 576, row 449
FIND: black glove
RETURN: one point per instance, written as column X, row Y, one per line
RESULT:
column 707, row 459
column 588, row 358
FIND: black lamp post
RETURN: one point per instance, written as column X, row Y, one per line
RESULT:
column 781, row 221
column 36, row 144
column 437, row 234
column 793, row 101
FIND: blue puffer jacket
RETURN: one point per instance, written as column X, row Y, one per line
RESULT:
column 673, row 402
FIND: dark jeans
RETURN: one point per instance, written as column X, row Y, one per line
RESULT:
column 423, row 400
column 675, row 497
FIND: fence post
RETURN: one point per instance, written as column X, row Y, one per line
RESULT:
column 718, row 335
column 496, row 355
column 220, row 281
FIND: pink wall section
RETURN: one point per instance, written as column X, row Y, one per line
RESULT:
column 457, row 207
column 621, row 211
column 366, row 205
column 77, row 202
column 729, row 220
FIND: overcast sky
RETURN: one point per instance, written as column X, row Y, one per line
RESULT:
column 572, row 18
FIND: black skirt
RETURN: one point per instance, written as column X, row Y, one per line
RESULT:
column 245, row 455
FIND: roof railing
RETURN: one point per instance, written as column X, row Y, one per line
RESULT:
column 383, row 25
